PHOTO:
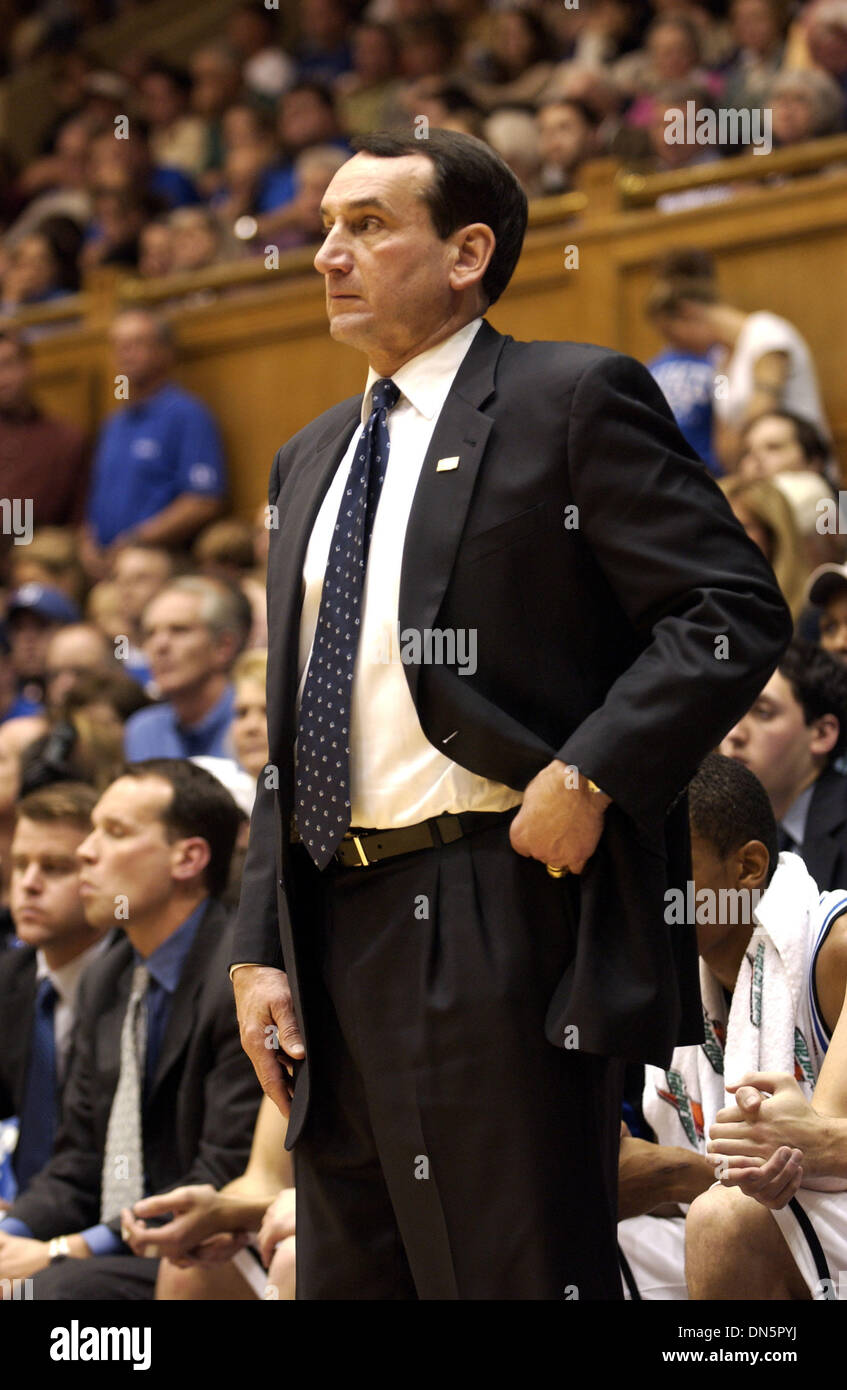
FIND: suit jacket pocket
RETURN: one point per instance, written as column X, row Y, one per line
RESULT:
column 505, row 533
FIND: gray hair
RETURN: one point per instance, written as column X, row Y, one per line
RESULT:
column 821, row 91
column 224, row 608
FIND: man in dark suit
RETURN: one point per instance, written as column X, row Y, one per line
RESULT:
column 794, row 737
column 159, row 1093
column 39, row 980
column 559, row 617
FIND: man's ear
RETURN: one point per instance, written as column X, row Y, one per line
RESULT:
column 474, row 247
column 825, row 734
column 754, row 862
column 189, row 858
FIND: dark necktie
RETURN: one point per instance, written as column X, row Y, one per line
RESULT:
column 38, row 1112
column 323, row 733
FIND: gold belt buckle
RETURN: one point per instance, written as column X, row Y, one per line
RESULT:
column 364, row 862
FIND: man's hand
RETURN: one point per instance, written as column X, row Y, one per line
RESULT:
column 772, row 1182
column 771, row 1113
column 560, row 820
column 277, row 1225
column 195, row 1215
column 20, row 1256
column 269, row 1031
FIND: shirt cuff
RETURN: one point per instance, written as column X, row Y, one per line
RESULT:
column 238, row 966
column 11, row 1226
column 101, row 1240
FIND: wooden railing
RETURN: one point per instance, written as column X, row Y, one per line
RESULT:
column 638, row 190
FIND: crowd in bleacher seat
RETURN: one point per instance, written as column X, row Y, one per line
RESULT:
column 160, row 166
column 133, row 635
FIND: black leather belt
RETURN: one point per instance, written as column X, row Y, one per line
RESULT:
column 361, row 848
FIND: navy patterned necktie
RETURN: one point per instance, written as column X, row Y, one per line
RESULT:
column 38, row 1112
column 323, row 733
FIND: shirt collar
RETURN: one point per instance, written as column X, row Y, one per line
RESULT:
column 794, row 820
column 66, row 978
column 425, row 380
column 166, row 962
column 219, row 714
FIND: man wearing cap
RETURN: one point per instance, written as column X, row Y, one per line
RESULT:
column 34, row 614
column 828, row 593
column 509, row 612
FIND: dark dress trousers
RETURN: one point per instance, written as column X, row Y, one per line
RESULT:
column 197, row 1119
column 456, row 1117
column 18, row 985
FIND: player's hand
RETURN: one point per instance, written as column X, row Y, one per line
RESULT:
column 270, row 1034
column 772, row 1182
column 194, row 1213
column 770, row 1113
column 277, row 1224
column 560, row 820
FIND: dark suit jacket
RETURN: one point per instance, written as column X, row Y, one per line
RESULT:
column 824, row 848
column 17, row 1001
column 199, row 1117
column 600, row 644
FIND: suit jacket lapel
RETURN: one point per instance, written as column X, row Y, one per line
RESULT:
column 442, row 499
column 184, row 1003
column 302, row 496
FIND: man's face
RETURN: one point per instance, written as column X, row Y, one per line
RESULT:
column 386, row 270
column 29, row 638
column 15, row 736
column 709, row 871
column 565, row 136
column 250, row 726
column 72, row 651
column 304, row 120
column 833, row 626
column 15, row 377
column 793, row 117
column 771, row 446
column 138, row 576
column 180, row 647
column 774, row 741
column 126, row 861
column 44, row 889
column 137, row 351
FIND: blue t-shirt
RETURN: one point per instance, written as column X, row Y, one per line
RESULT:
column 154, row 732
column 688, row 384
column 149, row 454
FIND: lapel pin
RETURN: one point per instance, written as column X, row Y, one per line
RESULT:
column 444, row 465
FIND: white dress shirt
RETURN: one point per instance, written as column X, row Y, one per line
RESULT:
column 66, row 982
column 397, row 776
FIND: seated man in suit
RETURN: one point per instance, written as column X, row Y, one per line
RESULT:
column 39, row 981
column 792, row 738
column 159, row 1092
column 773, row 970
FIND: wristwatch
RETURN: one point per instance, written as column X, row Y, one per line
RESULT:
column 58, row 1249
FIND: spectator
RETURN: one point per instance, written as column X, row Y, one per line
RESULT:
column 828, row 594
column 764, row 362
column 793, row 453
column 369, row 95
column 791, row 739
column 251, row 33
column 42, row 266
column 445, row 104
column 513, row 134
column 215, row 85
column 826, row 34
column 139, row 572
column 567, row 129
column 196, row 239
column 687, row 380
column 806, row 105
column 43, row 458
column 114, row 234
column 158, row 472
column 39, row 983
column 519, row 60
column 128, row 164
column 155, row 249
column 672, row 55
column 102, row 607
column 57, row 184
column 184, row 1112
column 671, row 155
column 249, row 720
column 194, row 630
column 759, row 28
column 17, row 733
column 33, row 614
column 178, row 139
column 75, row 649
column 225, row 550
column 766, row 516
column 323, row 52
column 50, row 559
